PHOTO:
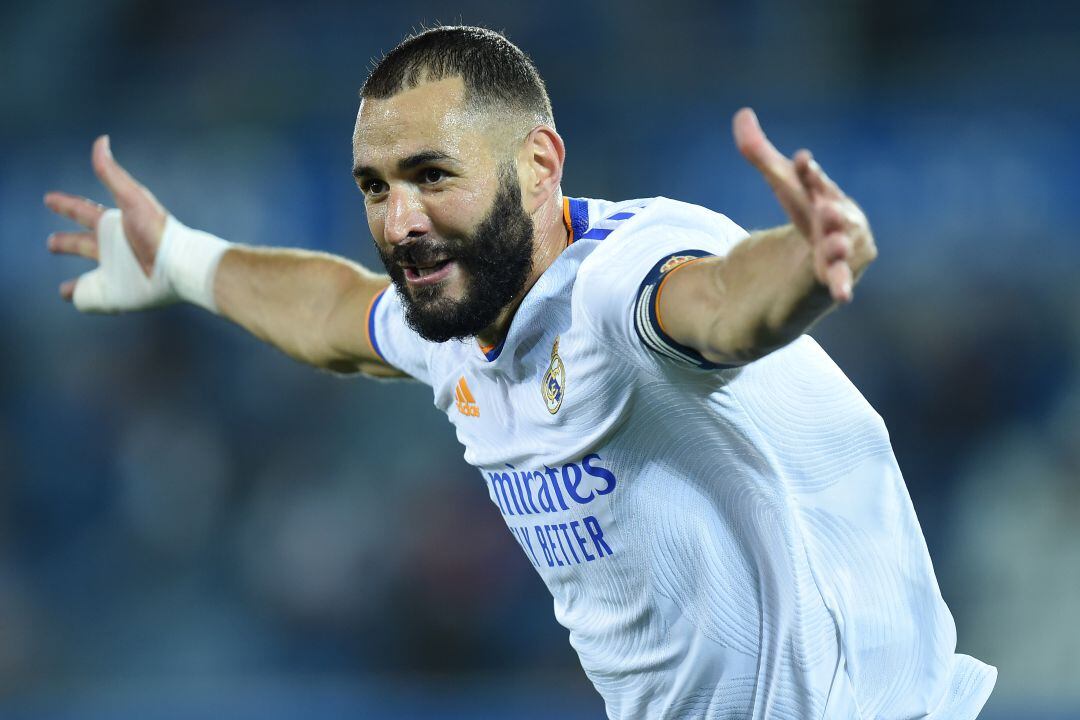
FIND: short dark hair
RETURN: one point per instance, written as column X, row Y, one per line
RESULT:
column 495, row 71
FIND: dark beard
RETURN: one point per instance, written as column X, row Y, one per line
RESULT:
column 495, row 260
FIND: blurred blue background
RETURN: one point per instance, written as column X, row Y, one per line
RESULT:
column 192, row 525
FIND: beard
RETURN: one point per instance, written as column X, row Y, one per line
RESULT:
column 495, row 260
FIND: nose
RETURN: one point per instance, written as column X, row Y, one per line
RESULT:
column 405, row 215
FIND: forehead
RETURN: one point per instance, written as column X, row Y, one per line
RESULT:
column 430, row 116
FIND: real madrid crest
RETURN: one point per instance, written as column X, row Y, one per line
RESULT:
column 553, row 386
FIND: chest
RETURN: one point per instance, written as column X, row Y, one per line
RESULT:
column 548, row 399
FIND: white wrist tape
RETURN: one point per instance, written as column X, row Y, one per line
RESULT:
column 188, row 259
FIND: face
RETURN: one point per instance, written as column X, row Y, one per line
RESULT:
column 444, row 209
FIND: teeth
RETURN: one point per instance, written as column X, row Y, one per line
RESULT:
column 425, row 271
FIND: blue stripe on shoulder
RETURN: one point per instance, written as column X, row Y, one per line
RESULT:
column 647, row 321
column 371, row 324
column 586, row 229
column 579, row 217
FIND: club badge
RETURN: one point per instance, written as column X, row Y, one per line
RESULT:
column 554, row 384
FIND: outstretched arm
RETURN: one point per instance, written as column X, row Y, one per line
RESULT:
column 310, row 305
column 775, row 284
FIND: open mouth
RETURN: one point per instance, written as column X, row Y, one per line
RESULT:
column 428, row 274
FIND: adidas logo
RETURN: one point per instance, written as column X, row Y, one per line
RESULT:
column 466, row 403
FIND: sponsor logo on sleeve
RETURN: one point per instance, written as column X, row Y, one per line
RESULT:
column 675, row 262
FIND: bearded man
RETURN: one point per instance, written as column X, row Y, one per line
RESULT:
column 714, row 507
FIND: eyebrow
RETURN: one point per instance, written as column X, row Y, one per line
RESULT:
column 405, row 164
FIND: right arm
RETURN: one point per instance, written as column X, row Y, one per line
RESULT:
column 313, row 306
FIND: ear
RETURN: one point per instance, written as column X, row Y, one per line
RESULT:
column 540, row 166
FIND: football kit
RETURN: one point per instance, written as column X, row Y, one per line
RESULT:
column 720, row 542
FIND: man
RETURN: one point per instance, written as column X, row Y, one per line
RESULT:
column 714, row 507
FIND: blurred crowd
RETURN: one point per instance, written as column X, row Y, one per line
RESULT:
column 181, row 507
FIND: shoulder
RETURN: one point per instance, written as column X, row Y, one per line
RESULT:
column 630, row 234
column 641, row 241
column 628, row 239
column 397, row 344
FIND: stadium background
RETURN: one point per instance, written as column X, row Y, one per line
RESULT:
column 192, row 525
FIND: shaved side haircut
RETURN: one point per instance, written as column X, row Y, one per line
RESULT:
column 497, row 74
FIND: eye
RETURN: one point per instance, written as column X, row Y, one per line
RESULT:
column 372, row 187
column 432, row 175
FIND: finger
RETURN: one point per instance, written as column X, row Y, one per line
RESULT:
column 83, row 244
column 839, row 281
column 83, row 211
column 830, row 253
column 813, row 177
column 834, row 247
column 831, row 258
column 762, row 154
column 829, row 215
column 67, row 289
column 122, row 186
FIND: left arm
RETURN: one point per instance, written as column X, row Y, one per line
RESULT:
column 776, row 283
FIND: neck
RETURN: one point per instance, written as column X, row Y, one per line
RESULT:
column 549, row 241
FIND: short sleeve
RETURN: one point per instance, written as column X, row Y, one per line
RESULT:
column 621, row 282
column 393, row 340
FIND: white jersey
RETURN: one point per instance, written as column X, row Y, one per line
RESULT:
column 720, row 542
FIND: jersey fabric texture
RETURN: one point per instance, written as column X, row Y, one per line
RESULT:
column 720, row 542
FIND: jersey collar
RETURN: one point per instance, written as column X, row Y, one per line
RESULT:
column 576, row 219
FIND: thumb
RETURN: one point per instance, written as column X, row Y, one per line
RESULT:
column 90, row 292
column 116, row 179
column 778, row 170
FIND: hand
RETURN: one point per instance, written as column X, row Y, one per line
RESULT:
column 143, row 223
column 836, row 229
